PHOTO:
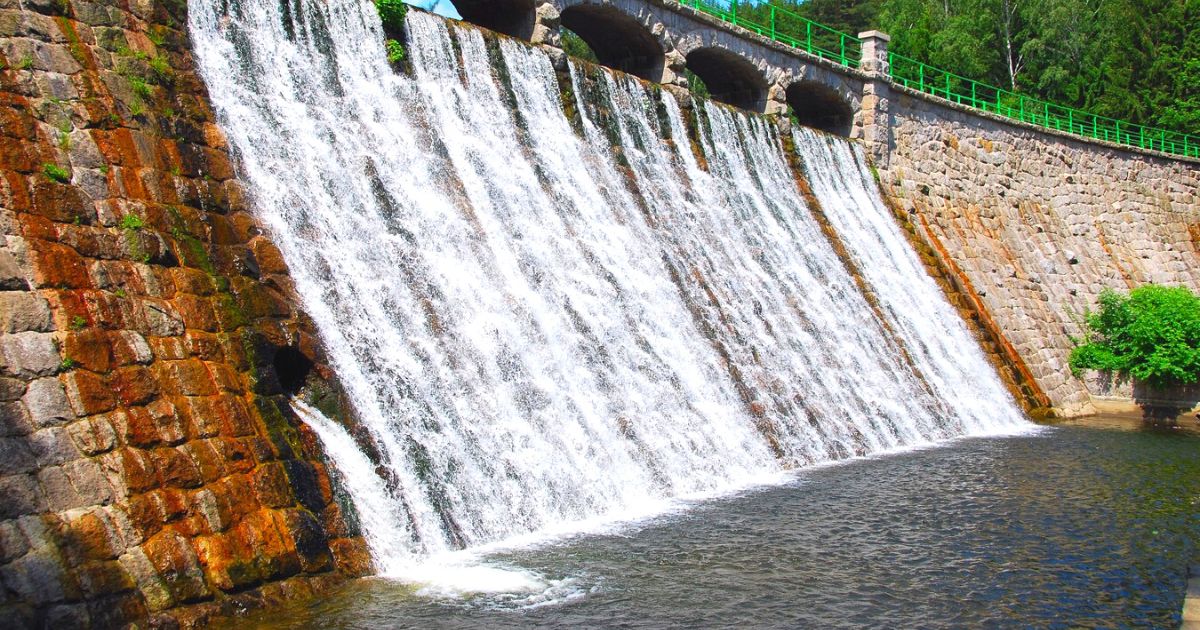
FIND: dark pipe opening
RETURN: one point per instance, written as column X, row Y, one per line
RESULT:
column 514, row 18
column 730, row 78
column 820, row 107
column 619, row 41
column 292, row 369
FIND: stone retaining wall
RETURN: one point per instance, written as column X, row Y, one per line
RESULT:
column 149, row 465
column 1039, row 223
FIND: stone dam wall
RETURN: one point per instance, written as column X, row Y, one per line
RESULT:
column 1037, row 223
column 150, row 468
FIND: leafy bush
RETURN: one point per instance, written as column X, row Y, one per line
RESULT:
column 391, row 13
column 395, row 52
column 1152, row 334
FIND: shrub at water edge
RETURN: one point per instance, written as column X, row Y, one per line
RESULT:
column 1152, row 335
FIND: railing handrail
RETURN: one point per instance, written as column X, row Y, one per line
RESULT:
column 1028, row 109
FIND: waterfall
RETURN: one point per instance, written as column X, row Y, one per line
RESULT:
column 539, row 326
column 914, row 305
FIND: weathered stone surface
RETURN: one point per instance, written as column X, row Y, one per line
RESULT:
column 1038, row 224
column 21, row 311
column 46, row 401
column 130, row 433
column 28, row 354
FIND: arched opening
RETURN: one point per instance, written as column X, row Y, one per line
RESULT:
column 514, row 18
column 291, row 368
column 618, row 40
column 730, row 78
column 819, row 106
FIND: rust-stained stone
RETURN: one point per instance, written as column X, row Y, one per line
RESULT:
column 89, row 348
column 141, row 480
column 89, row 393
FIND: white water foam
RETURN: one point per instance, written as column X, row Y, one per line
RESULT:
column 536, row 342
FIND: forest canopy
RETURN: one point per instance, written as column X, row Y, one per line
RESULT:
column 1135, row 60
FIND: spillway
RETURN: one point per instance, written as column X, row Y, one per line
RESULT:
column 542, row 318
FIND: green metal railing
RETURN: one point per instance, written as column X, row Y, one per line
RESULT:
column 924, row 78
column 785, row 27
column 799, row 32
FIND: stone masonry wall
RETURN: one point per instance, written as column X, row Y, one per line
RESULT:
column 149, row 465
column 1039, row 223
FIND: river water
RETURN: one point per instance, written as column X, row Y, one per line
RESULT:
column 1065, row 527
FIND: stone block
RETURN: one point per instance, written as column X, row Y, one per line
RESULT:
column 309, row 541
column 89, row 481
column 129, row 347
column 89, row 349
column 12, row 275
column 162, row 320
column 94, row 435
column 176, row 563
column 15, row 456
column 37, row 577
column 58, row 266
column 56, row 487
column 13, row 543
column 176, row 469
column 52, row 446
column 272, row 487
column 20, row 495
column 134, row 385
column 89, row 393
column 103, row 578
column 28, row 355
column 46, row 401
column 153, row 587
column 68, row 616
column 14, row 419
column 11, row 389
column 22, row 311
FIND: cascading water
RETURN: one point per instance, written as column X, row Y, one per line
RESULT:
column 914, row 305
column 531, row 336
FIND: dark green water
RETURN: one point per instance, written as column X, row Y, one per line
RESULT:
column 1070, row 527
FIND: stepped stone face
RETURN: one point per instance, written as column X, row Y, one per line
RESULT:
column 1038, row 224
column 149, row 466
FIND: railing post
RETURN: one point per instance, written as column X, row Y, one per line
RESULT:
column 875, row 119
column 772, row 21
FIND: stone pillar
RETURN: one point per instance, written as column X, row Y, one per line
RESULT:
column 876, row 122
column 546, row 25
column 777, row 100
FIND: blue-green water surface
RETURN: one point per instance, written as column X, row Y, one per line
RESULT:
column 1069, row 527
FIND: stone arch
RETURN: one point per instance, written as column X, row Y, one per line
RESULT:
column 729, row 77
column 821, row 107
column 619, row 40
column 514, row 18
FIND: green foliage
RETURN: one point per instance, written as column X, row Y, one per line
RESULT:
column 56, row 173
column 132, row 222
column 574, row 46
column 67, row 364
column 1152, row 334
column 395, row 52
column 1135, row 60
column 140, row 87
column 391, row 13
column 25, row 63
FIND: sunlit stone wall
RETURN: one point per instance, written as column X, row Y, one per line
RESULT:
column 148, row 467
column 1039, row 223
